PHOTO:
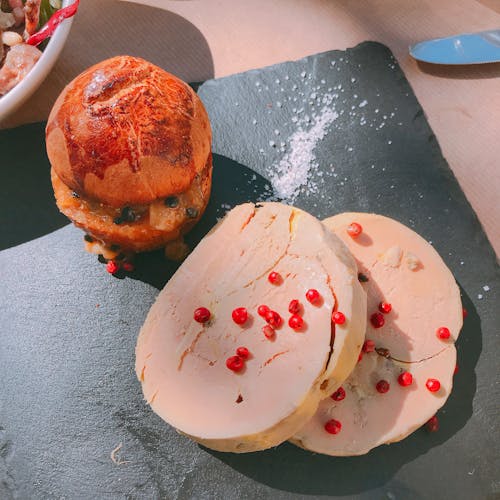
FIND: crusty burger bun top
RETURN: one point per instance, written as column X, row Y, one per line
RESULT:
column 127, row 132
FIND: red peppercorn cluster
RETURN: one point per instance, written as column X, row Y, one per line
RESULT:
column 275, row 278
column 113, row 266
column 338, row 318
column 268, row 332
column 433, row 385
column 368, row 346
column 273, row 320
column 339, row 394
column 432, row 424
column 237, row 363
column 333, row 426
column 405, row 379
column 262, row 311
column 313, row 296
column 201, row 315
column 382, row 386
column 443, row 333
column 243, row 352
column 294, row 307
column 385, row 307
column 377, row 320
column 295, row 322
column 240, row 315
column 354, row 229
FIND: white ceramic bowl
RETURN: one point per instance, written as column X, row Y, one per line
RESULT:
column 13, row 99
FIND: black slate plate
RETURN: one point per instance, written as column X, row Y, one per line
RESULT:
column 68, row 392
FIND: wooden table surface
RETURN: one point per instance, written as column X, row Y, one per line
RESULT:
column 201, row 39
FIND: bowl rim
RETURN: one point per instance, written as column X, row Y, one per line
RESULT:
column 23, row 90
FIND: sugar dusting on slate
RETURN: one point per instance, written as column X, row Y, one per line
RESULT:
column 294, row 169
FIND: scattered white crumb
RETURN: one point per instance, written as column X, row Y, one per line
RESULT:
column 392, row 256
column 486, row 288
column 362, row 104
column 277, row 132
column 303, row 74
column 479, row 296
column 412, row 261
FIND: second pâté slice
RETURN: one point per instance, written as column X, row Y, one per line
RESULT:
column 240, row 346
column 405, row 373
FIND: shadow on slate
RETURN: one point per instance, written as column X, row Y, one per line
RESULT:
column 69, row 393
column 27, row 207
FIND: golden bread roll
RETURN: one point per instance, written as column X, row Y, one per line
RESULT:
column 130, row 149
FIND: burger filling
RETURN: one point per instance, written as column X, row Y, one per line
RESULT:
column 110, row 230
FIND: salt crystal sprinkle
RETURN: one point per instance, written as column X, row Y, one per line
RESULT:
column 294, row 169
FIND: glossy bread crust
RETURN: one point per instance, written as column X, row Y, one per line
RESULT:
column 127, row 132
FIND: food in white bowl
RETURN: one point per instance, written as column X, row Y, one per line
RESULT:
column 24, row 62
